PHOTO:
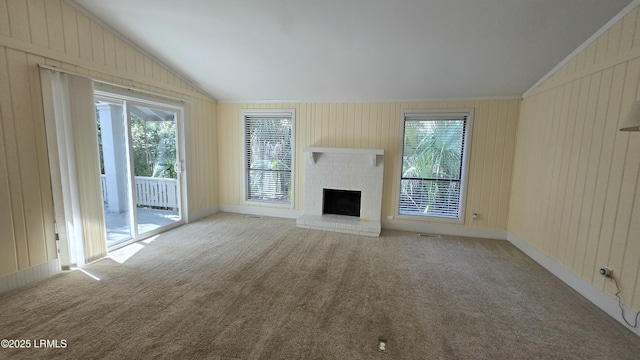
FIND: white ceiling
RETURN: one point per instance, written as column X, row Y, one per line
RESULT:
column 357, row 50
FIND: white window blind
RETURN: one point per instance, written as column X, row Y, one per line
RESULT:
column 432, row 182
column 269, row 156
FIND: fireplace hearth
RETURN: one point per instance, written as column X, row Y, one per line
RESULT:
column 343, row 190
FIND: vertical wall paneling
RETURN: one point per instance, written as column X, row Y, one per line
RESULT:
column 109, row 49
column 84, row 37
column 38, row 22
column 8, row 222
column 568, row 165
column 5, row 28
column 70, row 30
column 19, row 20
column 148, row 67
column 97, row 43
column 130, row 60
column 16, row 210
column 29, row 178
column 489, row 152
column 575, row 174
column 630, row 272
column 55, row 29
column 613, row 169
column 156, row 71
column 378, row 125
column 477, row 161
column 46, row 197
column 595, row 216
column 627, row 32
column 54, row 33
column 139, row 62
column 587, row 159
column 200, row 148
column 496, row 173
column 578, row 171
column 508, row 154
column 628, row 179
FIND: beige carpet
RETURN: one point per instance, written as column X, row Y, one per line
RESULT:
column 236, row 287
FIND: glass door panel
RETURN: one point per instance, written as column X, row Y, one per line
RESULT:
column 112, row 138
column 156, row 167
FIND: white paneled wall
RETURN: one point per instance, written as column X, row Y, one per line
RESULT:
column 54, row 33
column 378, row 125
column 338, row 169
column 576, row 186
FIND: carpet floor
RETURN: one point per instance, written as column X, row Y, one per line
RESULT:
column 237, row 287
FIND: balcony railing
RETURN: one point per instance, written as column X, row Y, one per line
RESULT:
column 152, row 192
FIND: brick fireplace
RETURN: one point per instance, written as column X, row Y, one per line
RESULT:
column 343, row 170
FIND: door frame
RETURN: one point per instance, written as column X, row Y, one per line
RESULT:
column 180, row 111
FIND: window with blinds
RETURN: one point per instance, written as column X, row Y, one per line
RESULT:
column 269, row 155
column 434, row 157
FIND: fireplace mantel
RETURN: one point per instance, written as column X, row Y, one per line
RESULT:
column 351, row 169
column 312, row 151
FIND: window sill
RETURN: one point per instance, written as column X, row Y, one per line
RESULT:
column 266, row 203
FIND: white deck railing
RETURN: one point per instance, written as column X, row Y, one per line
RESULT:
column 156, row 192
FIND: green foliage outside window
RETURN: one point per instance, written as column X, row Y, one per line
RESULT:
column 269, row 159
column 154, row 147
column 431, row 167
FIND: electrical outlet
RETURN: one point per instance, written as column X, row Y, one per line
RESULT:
column 606, row 272
column 475, row 217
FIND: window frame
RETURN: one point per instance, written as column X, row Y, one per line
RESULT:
column 466, row 159
column 290, row 113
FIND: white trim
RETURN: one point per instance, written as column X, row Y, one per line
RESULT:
column 437, row 219
column 584, row 45
column 29, row 276
column 197, row 215
column 262, row 211
column 337, row 150
column 599, row 298
column 131, row 178
column 166, row 102
column 182, row 114
column 268, row 112
column 466, row 159
column 443, row 229
column 111, row 83
column 180, row 111
column 183, row 198
column 373, row 153
column 352, row 101
column 339, row 223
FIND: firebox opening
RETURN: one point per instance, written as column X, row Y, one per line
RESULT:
column 341, row 202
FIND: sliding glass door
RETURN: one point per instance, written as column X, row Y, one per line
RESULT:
column 156, row 167
column 141, row 167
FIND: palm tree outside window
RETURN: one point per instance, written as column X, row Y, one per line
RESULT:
column 269, row 155
column 434, row 156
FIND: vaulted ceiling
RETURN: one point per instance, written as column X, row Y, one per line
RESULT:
column 357, row 50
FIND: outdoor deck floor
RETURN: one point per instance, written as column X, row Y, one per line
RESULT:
column 118, row 229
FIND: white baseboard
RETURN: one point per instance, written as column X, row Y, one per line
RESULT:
column 443, row 229
column 29, row 275
column 202, row 214
column 262, row 211
column 599, row 298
